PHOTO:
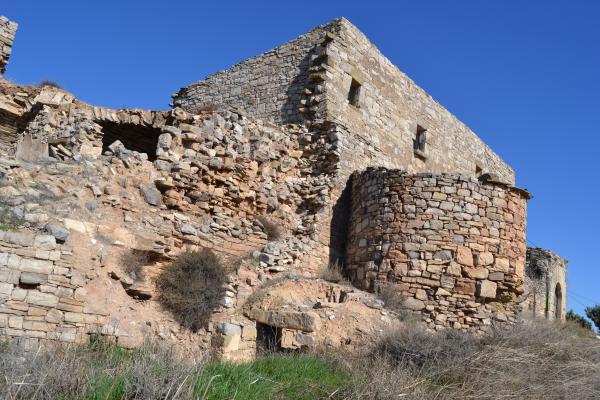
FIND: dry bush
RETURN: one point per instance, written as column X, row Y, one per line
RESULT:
column 333, row 273
column 49, row 83
column 272, row 230
column 192, row 286
column 133, row 262
column 392, row 297
column 532, row 360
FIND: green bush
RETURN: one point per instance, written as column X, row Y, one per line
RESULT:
column 192, row 286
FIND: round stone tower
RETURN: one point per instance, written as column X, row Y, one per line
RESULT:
column 452, row 246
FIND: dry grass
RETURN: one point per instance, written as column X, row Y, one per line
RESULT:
column 192, row 286
column 272, row 230
column 392, row 298
column 134, row 261
column 333, row 273
column 534, row 360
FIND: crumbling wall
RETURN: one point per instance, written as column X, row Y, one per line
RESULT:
column 453, row 246
column 269, row 86
column 8, row 30
column 546, row 284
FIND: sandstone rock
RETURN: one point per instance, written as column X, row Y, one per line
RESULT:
column 487, row 289
column 476, row 273
column 413, row 304
column 484, row 259
column 41, row 299
column 304, row 321
column 464, row 256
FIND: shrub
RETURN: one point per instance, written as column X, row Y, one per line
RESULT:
column 191, row 287
column 593, row 313
column 392, row 297
column 49, row 83
column 133, row 262
column 579, row 320
column 333, row 273
column 271, row 229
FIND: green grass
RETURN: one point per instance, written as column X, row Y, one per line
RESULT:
column 276, row 377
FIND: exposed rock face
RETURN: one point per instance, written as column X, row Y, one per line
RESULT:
column 8, row 30
column 546, row 282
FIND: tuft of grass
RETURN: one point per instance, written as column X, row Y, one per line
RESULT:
column 192, row 286
column 273, row 377
column 392, row 298
column 333, row 273
column 133, row 262
column 272, row 230
column 46, row 82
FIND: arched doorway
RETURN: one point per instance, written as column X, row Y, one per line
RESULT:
column 558, row 302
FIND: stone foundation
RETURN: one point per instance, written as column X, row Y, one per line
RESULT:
column 452, row 245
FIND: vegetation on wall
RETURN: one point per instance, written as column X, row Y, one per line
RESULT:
column 192, row 286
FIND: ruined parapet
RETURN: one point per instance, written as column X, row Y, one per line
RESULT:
column 546, row 284
column 452, row 245
column 8, row 30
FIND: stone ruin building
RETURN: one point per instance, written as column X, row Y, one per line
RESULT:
column 322, row 136
column 546, row 280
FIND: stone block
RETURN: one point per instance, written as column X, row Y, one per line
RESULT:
column 36, row 266
column 487, row 289
column 484, row 259
column 413, row 304
column 476, row 273
column 41, row 299
column 464, row 256
column 32, row 278
column 305, row 321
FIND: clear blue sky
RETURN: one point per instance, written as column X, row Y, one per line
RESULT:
column 524, row 75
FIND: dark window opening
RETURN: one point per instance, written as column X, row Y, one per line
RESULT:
column 268, row 339
column 420, row 141
column 354, row 93
column 558, row 302
column 478, row 170
column 142, row 139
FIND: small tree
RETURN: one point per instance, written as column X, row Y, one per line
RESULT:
column 593, row 313
column 578, row 319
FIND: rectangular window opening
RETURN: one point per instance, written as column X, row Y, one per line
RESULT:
column 420, row 141
column 478, row 170
column 354, row 93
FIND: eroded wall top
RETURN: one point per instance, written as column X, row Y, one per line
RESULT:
column 8, row 29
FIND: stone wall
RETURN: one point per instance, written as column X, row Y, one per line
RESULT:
column 546, row 284
column 269, row 86
column 390, row 108
column 8, row 30
column 309, row 79
column 42, row 293
column 454, row 246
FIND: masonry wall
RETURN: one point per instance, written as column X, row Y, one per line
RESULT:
column 382, row 127
column 269, row 86
column 546, row 284
column 453, row 246
column 42, row 294
column 8, row 30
